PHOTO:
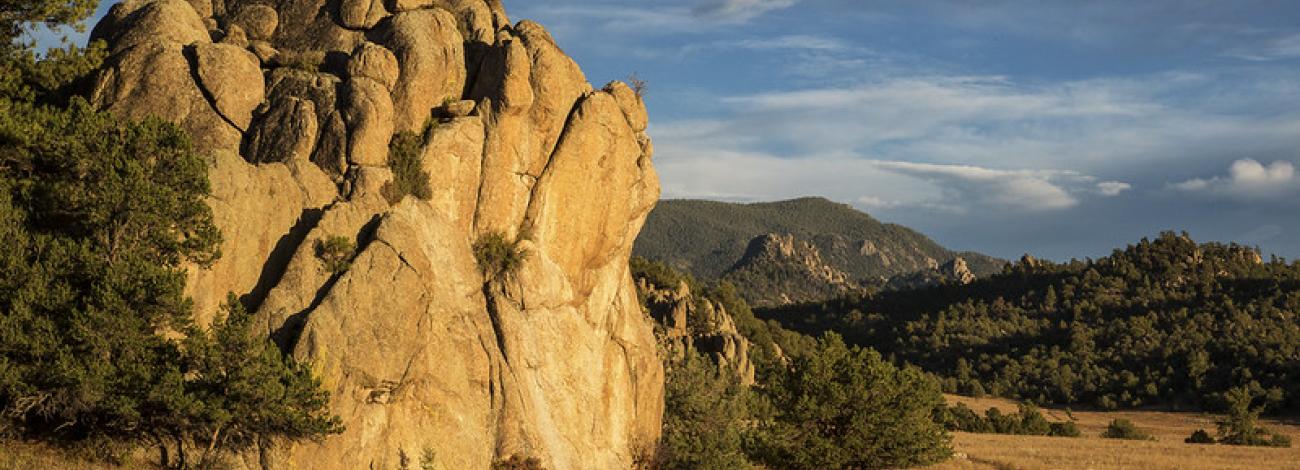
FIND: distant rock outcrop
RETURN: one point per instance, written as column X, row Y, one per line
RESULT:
column 779, row 269
column 296, row 102
column 714, row 240
column 691, row 323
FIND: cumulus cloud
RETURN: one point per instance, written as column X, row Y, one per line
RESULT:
column 1246, row 178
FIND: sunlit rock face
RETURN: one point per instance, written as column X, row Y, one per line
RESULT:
column 295, row 102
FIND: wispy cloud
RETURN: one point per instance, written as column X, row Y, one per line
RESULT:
column 1278, row 48
column 740, row 10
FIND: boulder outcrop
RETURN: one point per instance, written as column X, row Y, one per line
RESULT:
column 297, row 103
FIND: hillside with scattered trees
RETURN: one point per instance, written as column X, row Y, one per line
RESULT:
column 1165, row 322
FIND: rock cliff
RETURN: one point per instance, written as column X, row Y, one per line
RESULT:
column 694, row 323
column 297, row 101
column 778, row 269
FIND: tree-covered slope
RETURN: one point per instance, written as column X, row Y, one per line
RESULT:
column 707, row 238
column 1163, row 322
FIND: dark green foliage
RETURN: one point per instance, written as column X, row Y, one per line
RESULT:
column 706, row 238
column 409, row 177
column 498, row 257
column 335, row 253
column 518, row 462
column 1064, row 429
column 1026, row 421
column 845, row 407
column 307, row 61
column 19, row 15
column 1125, row 429
column 99, row 215
column 240, row 392
column 704, row 414
column 1199, row 437
column 1165, row 321
column 1240, row 429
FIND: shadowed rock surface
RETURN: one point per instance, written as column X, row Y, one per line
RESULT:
column 296, row 102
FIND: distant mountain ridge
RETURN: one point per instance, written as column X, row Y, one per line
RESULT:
column 793, row 251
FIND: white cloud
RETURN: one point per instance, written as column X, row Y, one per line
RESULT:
column 1247, row 179
column 1023, row 189
column 1112, row 188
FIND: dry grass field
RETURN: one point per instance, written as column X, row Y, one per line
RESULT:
column 993, row 451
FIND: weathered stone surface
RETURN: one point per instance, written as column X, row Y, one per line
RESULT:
column 235, row 36
column 557, row 82
column 460, row 108
column 264, row 51
column 155, row 79
column 134, row 22
column 420, row 351
column 474, row 18
column 361, row 14
column 370, row 181
column 454, row 159
column 368, row 112
column 505, row 77
column 202, row 7
column 408, row 5
column 631, row 104
column 287, row 131
column 260, row 209
column 373, row 61
column 258, row 20
column 232, row 79
column 431, row 55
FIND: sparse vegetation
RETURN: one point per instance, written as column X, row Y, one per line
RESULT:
column 335, row 253
column 518, row 462
column 1240, row 428
column 307, row 61
column 404, row 159
column 497, row 256
column 1026, row 421
column 637, row 84
column 1121, row 428
column 1199, row 437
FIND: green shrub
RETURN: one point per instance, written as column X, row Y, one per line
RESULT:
column 409, row 177
column 705, row 411
column 1239, row 427
column 1064, row 429
column 336, row 253
column 845, row 407
column 1125, row 429
column 497, row 257
column 1199, row 437
column 518, row 462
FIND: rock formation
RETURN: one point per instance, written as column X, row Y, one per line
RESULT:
column 296, row 102
column 690, row 323
column 778, row 269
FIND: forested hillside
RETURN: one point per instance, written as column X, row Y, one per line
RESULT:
column 1163, row 322
column 707, row 238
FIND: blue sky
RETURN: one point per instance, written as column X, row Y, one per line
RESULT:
column 1063, row 129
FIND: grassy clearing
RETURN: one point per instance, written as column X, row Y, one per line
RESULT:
column 16, row 455
column 1168, row 451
